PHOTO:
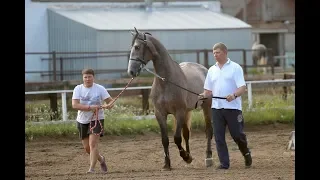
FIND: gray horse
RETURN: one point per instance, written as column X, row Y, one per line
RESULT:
column 171, row 95
column 259, row 56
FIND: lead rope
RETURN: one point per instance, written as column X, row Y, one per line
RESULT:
column 163, row 79
column 96, row 112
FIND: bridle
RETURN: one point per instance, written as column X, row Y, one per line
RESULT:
column 145, row 48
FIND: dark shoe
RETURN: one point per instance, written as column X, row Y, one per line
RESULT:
column 248, row 160
column 103, row 165
column 222, row 167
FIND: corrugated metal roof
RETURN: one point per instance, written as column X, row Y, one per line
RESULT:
column 157, row 19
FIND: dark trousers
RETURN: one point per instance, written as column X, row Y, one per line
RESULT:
column 221, row 118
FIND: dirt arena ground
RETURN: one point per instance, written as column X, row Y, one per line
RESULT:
column 141, row 157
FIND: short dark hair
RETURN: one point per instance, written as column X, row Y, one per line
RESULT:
column 221, row 46
column 88, row 71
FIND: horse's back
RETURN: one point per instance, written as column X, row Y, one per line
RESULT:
column 194, row 70
column 195, row 74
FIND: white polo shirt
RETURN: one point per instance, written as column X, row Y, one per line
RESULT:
column 223, row 82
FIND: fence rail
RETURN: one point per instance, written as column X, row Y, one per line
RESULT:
column 63, row 93
column 59, row 63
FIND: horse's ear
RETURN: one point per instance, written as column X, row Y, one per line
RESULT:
column 136, row 30
column 132, row 33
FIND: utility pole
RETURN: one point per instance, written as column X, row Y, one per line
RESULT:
column 244, row 12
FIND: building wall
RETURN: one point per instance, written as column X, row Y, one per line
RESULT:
column 36, row 38
column 66, row 35
column 289, row 42
column 268, row 10
column 177, row 40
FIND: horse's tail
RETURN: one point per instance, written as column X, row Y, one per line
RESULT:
column 188, row 122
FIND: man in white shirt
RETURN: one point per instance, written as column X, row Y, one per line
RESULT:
column 226, row 79
column 88, row 99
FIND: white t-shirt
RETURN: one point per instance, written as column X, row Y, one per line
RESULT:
column 95, row 95
column 223, row 82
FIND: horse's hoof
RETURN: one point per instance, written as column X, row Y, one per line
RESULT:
column 209, row 162
column 166, row 168
column 189, row 160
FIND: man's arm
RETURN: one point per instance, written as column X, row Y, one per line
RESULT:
column 240, row 91
column 240, row 82
column 76, row 105
column 109, row 103
column 108, row 100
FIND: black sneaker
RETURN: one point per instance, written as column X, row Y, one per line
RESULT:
column 222, row 167
column 248, row 160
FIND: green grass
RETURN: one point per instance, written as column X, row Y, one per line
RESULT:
column 267, row 108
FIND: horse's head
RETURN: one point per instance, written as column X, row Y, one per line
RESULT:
column 142, row 51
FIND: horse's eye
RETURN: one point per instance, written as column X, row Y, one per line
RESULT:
column 137, row 47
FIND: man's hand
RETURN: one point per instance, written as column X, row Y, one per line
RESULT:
column 202, row 96
column 230, row 97
column 108, row 106
column 93, row 107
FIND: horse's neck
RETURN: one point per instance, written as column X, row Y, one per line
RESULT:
column 164, row 65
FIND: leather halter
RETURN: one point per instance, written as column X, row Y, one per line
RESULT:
column 144, row 49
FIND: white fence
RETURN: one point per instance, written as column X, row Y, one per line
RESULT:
column 64, row 92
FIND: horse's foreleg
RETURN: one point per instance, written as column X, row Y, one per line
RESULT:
column 162, row 121
column 180, row 117
column 209, row 132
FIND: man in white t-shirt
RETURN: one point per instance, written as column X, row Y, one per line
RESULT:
column 88, row 99
column 225, row 79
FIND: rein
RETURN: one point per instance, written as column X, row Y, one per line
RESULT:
column 163, row 79
column 96, row 112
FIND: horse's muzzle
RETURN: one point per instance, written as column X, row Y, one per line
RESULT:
column 136, row 67
column 133, row 74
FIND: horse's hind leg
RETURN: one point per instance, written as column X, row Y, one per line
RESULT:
column 206, row 107
column 186, row 131
column 162, row 121
column 180, row 117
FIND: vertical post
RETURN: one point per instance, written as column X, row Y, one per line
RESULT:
column 54, row 62
column 198, row 57
column 244, row 55
column 244, row 11
column 145, row 101
column 53, row 105
column 64, row 106
column 206, row 58
column 285, row 89
column 61, row 69
column 249, row 95
column 284, row 63
column 270, row 55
